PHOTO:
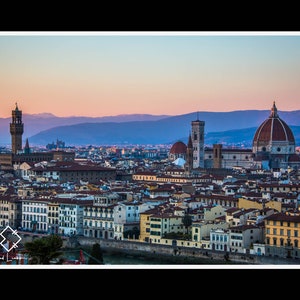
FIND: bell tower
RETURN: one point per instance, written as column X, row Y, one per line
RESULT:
column 217, row 156
column 16, row 130
column 198, row 143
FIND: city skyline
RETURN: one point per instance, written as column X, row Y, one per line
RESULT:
column 107, row 74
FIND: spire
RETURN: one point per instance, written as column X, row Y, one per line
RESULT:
column 17, row 106
column 189, row 156
column 274, row 113
column 190, row 143
column 27, row 143
column 26, row 147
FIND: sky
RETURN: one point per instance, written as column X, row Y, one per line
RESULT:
column 161, row 73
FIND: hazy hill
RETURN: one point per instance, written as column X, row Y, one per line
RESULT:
column 36, row 123
column 162, row 131
column 135, row 133
column 220, row 127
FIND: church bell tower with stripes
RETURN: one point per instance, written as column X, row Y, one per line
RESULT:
column 198, row 143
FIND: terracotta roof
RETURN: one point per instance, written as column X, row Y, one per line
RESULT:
column 273, row 129
column 284, row 217
column 178, row 148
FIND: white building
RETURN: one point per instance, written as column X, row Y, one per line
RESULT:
column 35, row 215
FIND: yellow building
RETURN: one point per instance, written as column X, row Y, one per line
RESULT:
column 163, row 223
column 145, row 226
column 248, row 203
column 53, row 216
column 214, row 212
column 10, row 211
column 282, row 234
column 144, row 176
column 156, row 222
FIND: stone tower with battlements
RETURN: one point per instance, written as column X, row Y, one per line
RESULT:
column 16, row 130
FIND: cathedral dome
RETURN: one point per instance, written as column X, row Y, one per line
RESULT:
column 274, row 135
column 178, row 148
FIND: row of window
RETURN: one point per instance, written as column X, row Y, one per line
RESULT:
column 99, row 215
column 281, row 242
column 36, row 226
column 97, row 233
column 4, row 208
column 53, row 215
column 282, row 232
column 42, row 210
column 281, row 223
column 218, row 237
column 37, row 218
column 99, row 224
column 236, row 237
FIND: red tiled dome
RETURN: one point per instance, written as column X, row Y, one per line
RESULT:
column 273, row 129
column 178, row 148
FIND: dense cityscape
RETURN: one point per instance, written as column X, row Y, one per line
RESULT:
column 187, row 195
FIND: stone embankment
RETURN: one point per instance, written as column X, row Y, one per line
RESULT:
column 179, row 254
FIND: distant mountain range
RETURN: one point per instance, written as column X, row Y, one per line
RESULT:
column 229, row 128
column 36, row 123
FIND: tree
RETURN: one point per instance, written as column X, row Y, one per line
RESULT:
column 134, row 233
column 96, row 256
column 42, row 250
column 187, row 221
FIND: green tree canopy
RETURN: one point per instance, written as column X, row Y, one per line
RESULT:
column 42, row 250
column 187, row 221
column 96, row 256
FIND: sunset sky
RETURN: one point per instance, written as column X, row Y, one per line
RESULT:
column 105, row 74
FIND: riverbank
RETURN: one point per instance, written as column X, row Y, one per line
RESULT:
column 166, row 254
column 121, row 258
column 183, row 255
